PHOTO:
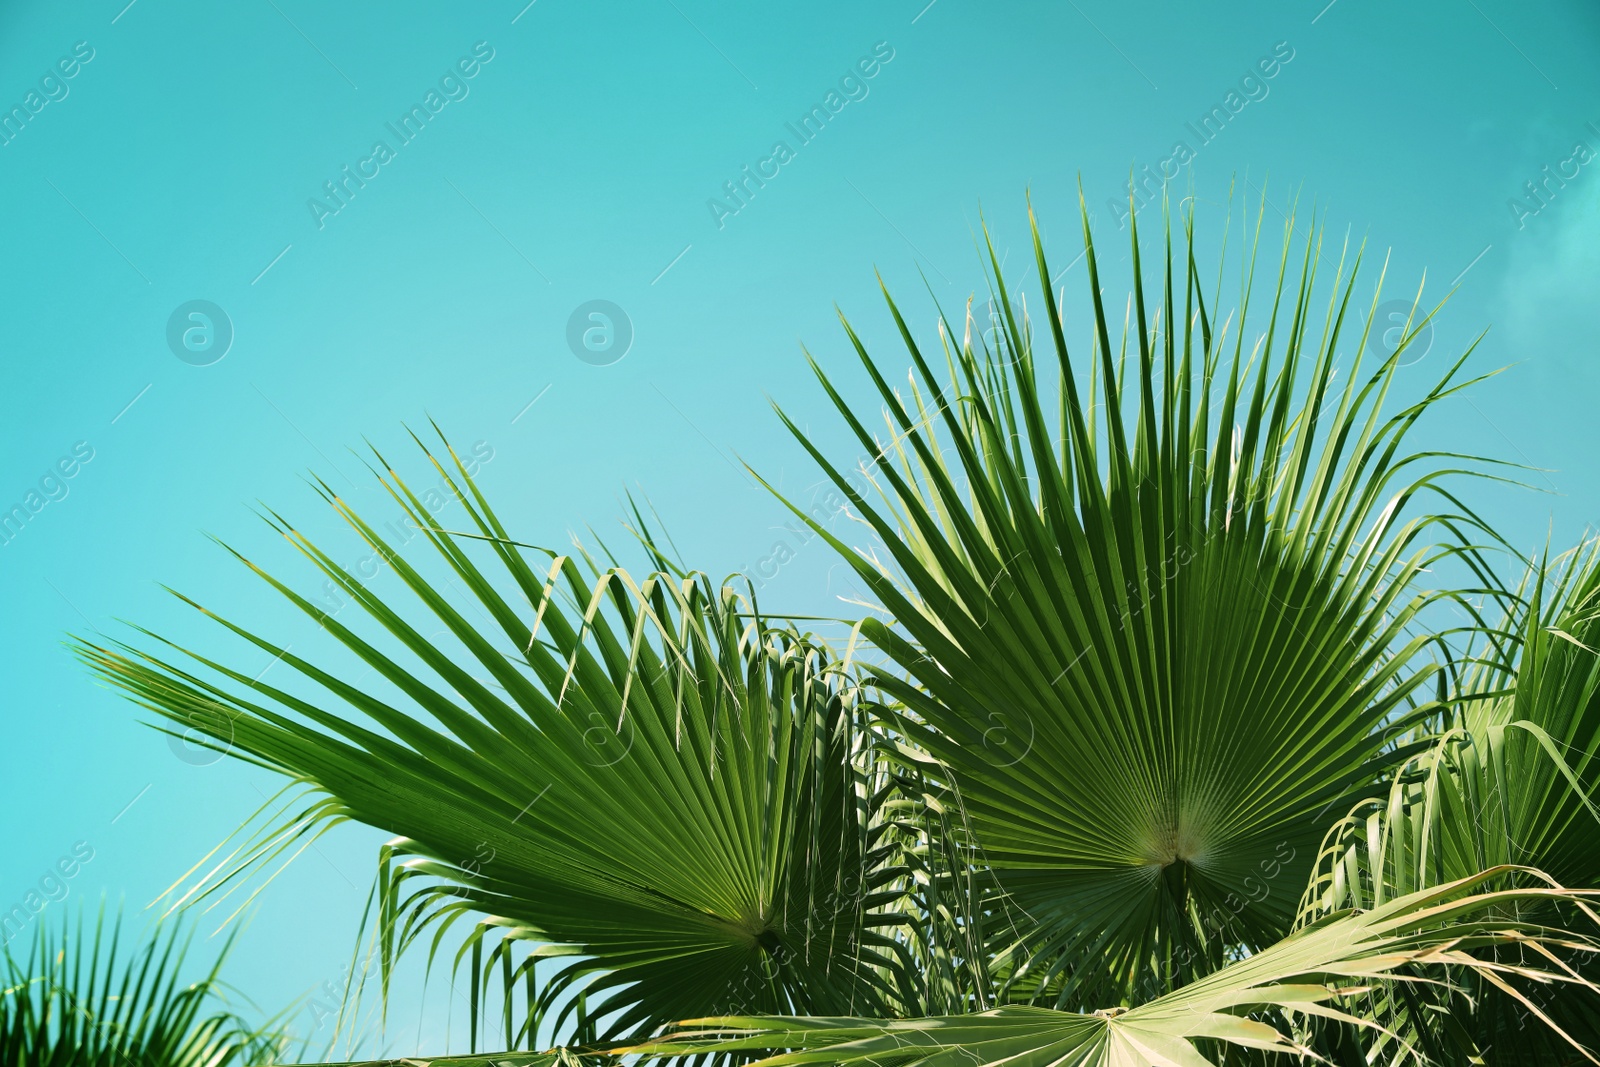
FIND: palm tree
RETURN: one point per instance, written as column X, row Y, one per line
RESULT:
column 1146, row 632
column 77, row 998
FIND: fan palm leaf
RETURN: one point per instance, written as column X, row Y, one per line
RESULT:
column 1151, row 651
column 643, row 781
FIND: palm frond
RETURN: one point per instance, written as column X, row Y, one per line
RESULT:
column 1283, row 999
column 637, row 788
column 79, row 996
column 1153, row 650
column 1514, row 781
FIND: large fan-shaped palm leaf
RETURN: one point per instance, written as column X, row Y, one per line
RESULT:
column 641, row 778
column 1153, row 650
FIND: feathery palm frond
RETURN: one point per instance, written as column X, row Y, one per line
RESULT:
column 561, row 1057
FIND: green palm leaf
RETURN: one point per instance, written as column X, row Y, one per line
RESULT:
column 555, row 1058
column 640, row 778
column 78, row 997
column 1150, row 651
column 1277, row 1000
column 1513, row 780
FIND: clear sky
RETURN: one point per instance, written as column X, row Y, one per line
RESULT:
column 169, row 152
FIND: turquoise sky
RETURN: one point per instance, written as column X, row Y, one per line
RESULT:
column 536, row 159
